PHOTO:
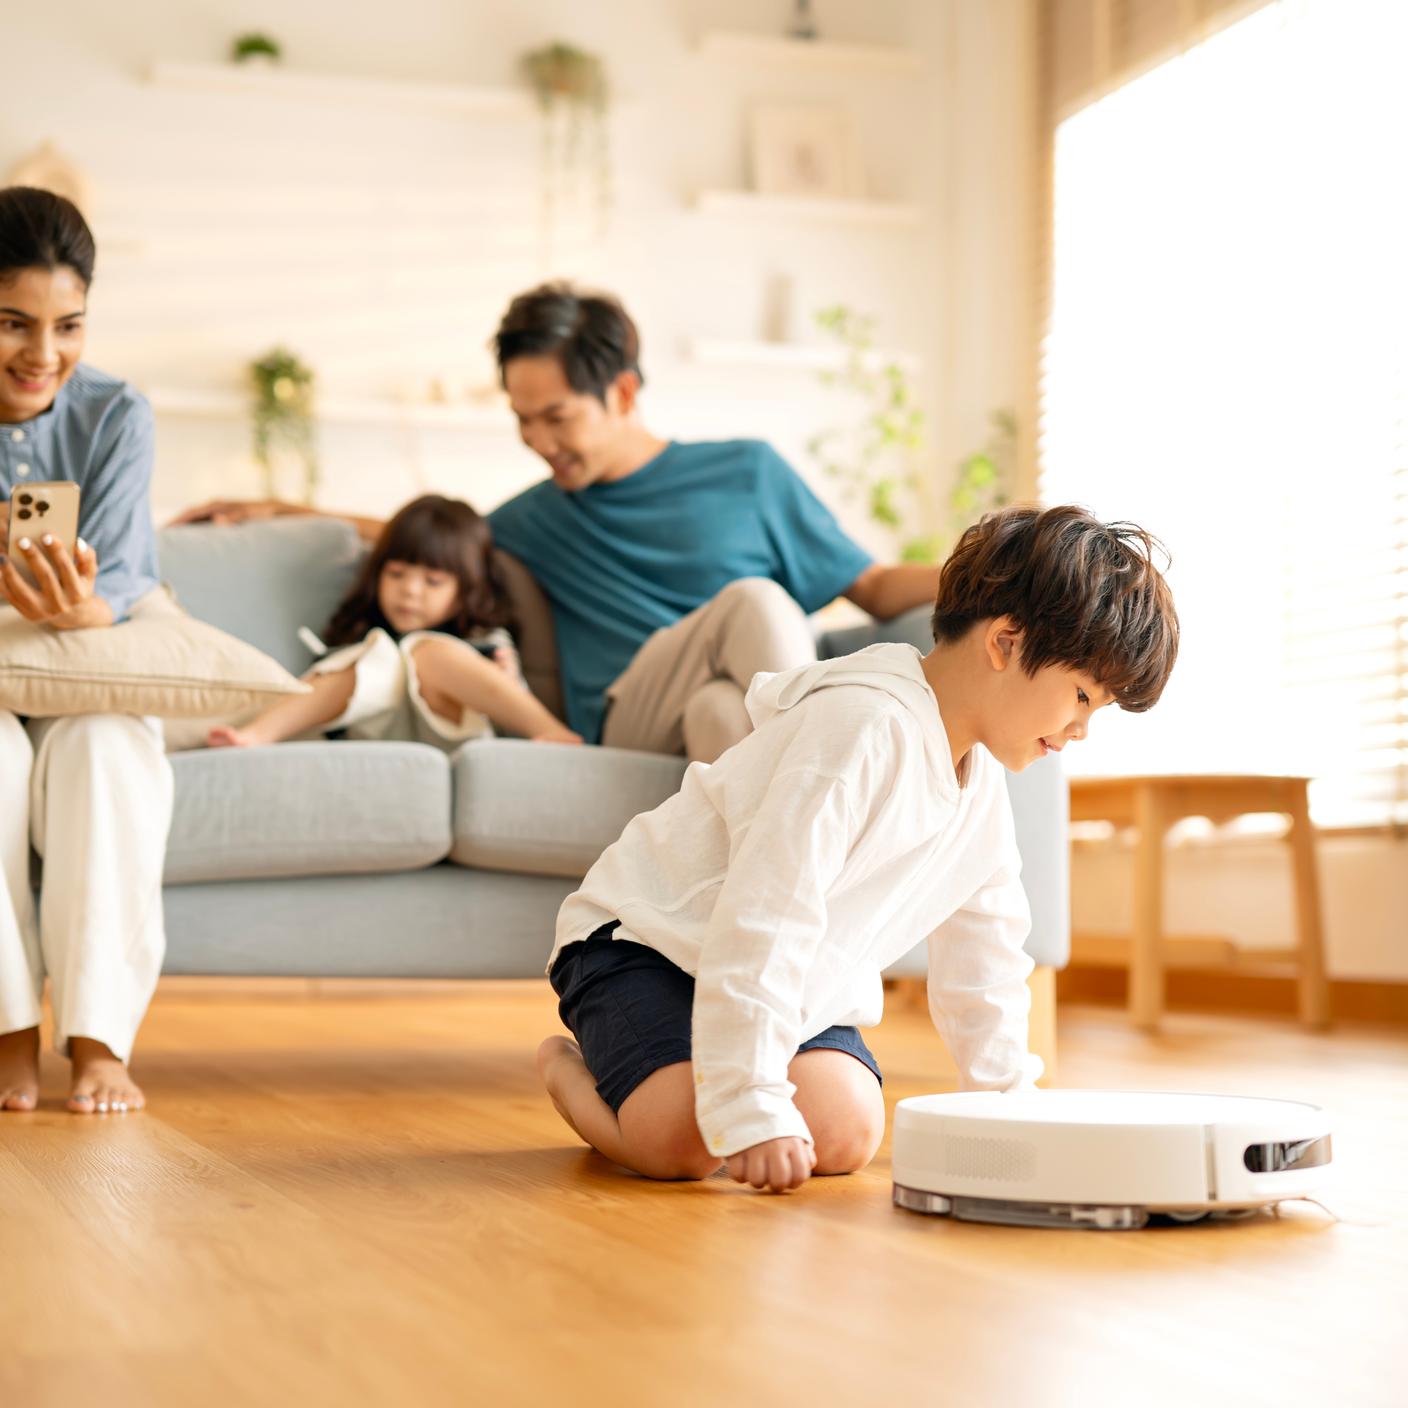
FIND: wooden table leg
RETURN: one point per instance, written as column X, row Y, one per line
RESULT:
column 1146, row 974
column 1312, row 987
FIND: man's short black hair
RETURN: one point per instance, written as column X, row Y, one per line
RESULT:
column 590, row 334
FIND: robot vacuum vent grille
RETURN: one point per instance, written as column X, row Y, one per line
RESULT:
column 1010, row 1160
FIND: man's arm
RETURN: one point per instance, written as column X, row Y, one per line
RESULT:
column 221, row 511
column 885, row 592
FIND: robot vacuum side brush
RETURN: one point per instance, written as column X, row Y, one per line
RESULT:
column 1104, row 1159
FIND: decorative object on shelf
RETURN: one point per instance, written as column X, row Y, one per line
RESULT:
column 881, row 458
column 283, row 419
column 255, row 49
column 50, row 170
column 574, row 95
column 806, row 151
column 803, row 24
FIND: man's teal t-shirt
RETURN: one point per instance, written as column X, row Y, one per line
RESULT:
column 620, row 560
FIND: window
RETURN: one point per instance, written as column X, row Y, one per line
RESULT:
column 1227, row 364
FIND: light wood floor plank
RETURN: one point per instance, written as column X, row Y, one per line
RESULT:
column 367, row 1200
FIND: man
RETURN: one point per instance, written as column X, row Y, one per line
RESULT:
column 676, row 571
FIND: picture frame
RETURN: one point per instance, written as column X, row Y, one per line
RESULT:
column 805, row 150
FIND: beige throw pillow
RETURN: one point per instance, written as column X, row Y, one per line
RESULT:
column 159, row 661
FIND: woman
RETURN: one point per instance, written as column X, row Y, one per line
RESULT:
column 93, row 793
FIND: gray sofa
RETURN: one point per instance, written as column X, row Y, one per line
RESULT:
column 345, row 859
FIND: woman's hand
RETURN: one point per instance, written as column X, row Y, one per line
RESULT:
column 776, row 1164
column 63, row 595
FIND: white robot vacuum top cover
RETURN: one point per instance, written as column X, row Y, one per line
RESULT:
column 1104, row 1158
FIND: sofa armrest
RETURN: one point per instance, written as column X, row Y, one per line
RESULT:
column 909, row 628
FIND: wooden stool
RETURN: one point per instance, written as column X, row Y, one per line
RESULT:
column 1152, row 805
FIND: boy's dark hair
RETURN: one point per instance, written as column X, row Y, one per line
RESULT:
column 590, row 334
column 1086, row 595
column 39, row 230
column 444, row 534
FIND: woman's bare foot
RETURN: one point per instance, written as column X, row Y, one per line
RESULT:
column 100, row 1081
column 19, row 1069
column 559, row 1056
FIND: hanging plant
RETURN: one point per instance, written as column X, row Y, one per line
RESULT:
column 574, row 96
column 256, row 48
column 283, row 418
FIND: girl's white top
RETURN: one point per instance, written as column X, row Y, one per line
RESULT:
column 787, row 875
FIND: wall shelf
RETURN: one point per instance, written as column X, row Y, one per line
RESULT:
column 811, row 209
column 231, row 405
column 278, row 82
column 787, row 356
column 809, row 55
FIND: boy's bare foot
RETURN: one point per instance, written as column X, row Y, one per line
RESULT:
column 19, row 1069
column 559, row 1056
column 100, row 1081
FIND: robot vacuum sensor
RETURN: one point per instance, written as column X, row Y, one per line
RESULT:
column 1105, row 1159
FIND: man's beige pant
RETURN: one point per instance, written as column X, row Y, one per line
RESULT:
column 94, row 792
column 683, row 691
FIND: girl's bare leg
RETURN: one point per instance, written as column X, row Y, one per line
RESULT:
column 454, row 676
column 293, row 715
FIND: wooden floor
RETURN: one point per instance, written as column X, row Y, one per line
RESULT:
column 364, row 1199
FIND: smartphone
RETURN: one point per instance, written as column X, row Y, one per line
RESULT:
column 36, row 509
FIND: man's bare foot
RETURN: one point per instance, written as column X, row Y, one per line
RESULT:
column 19, row 1069
column 559, row 1056
column 100, row 1081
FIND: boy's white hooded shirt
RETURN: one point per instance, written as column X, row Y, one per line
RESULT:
column 809, row 857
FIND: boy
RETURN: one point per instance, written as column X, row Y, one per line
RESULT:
column 717, row 959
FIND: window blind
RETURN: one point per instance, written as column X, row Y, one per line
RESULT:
column 1227, row 363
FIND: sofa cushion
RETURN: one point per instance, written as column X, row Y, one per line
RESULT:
column 261, row 581
column 550, row 809
column 308, row 809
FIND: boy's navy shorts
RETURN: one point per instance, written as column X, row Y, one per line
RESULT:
column 631, row 1010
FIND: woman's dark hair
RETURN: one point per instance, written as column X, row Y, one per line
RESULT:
column 39, row 230
column 590, row 334
column 446, row 535
column 1086, row 595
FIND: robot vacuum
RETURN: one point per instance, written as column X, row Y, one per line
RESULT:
column 1104, row 1159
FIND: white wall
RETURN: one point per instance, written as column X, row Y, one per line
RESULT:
column 382, row 242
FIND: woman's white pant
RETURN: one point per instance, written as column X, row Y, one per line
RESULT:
column 93, row 793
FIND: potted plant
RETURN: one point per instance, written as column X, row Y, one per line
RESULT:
column 879, row 458
column 282, row 415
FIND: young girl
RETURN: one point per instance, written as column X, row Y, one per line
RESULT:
column 417, row 627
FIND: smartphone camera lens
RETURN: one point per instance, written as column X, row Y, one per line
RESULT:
column 25, row 513
column 41, row 508
column 26, row 499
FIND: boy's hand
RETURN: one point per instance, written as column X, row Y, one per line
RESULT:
column 776, row 1164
